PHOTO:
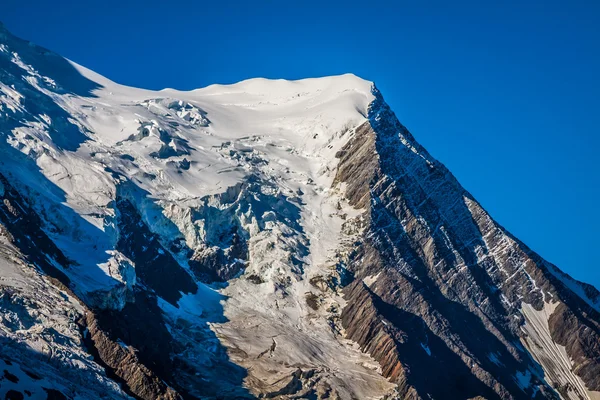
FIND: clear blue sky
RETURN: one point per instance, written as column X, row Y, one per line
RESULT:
column 506, row 95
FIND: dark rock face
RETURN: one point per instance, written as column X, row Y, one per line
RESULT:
column 140, row 325
column 14, row 395
column 447, row 283
column 402, row 343
column 126, row 363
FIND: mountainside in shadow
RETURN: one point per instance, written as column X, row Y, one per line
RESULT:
column 267, row 239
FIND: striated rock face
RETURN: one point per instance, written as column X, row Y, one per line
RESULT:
column 579, row 334
column 448, row 283
column 124, row 363
column 267, row 239
column 400, row 341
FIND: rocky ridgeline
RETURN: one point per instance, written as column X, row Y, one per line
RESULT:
column 443, row 314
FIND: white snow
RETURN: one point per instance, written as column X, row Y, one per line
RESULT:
column 371, row 279
column 553, row 358
column 179, row 147
column 523, row 379
column 290, row 129
column 574, row 286
column 39, row 336
column 426, row 348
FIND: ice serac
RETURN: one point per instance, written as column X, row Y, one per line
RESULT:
column 267, row 239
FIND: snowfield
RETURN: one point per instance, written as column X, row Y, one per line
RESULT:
column 266, row 146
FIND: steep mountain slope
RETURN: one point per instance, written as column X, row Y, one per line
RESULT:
column 265, row 239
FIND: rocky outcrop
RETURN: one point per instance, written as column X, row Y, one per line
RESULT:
column 580, row 335
column 125, row 362
column 432, row 255
column 402, row 343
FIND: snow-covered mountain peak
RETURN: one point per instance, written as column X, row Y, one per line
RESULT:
column 269, row 238
column 83, row 147
column 307, row 93
column 328, row 102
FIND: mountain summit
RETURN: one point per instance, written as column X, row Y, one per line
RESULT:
column 267, row 239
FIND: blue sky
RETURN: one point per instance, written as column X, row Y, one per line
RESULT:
column 506, row 95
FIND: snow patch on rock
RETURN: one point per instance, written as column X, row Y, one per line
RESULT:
column 553, row 357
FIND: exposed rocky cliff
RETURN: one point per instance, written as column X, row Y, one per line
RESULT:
column 442, row 294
